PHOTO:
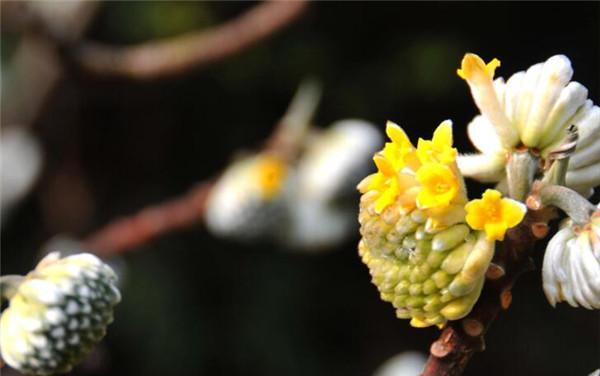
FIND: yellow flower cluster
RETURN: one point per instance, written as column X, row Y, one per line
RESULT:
column 426, row 247
column 425, row 177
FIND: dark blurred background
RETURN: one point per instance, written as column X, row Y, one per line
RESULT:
column 193, row 304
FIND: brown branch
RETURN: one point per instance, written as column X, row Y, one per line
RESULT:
column 127, row 233
column 180, row 54
column 130, row 232
column 450, row 354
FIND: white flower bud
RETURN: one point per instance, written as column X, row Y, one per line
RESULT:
column 571, row 270
column 409, row 363
column 337, row 159
column 248, row 200
column 57, row 313
column 334, row 162
column 540, row 104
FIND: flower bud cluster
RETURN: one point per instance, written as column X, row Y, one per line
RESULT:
column 420, row 238
column 57, row 313
column 571, row 270
column 534, row 109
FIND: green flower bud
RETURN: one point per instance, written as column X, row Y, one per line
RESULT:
column 450, row 237
column 428, row 277
column 57, row 313
column 455, row 260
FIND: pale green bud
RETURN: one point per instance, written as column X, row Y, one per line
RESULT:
column 429, row 277
column 57, row 313
column 455, row 260
column 450, row 237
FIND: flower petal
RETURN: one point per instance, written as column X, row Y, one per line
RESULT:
column 555, row 74
column 397, row 134
column 552, row 262
column 512, row 212
column 483, row 167
column 588, row 126
column 495, row 231
column 571, row 98
column 483, row 135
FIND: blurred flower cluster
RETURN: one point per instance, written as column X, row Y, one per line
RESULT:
column 304, row 202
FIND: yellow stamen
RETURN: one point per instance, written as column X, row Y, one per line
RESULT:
column 271, row 173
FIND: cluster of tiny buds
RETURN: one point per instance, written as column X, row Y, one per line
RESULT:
column 57, row 313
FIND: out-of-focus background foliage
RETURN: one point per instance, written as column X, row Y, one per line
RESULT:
column 194, row 304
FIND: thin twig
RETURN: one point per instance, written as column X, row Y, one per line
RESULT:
column 285, row 141
column 451, row 353
column 180, row 54
column 130, row 232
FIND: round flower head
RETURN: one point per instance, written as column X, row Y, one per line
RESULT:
column 248, row 200
column 571, row 270
column 532, row 109
column 57, row 313
column 421, row 254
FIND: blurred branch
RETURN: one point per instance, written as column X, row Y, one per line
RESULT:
column 128, row 233
column 179, row 54
column 450, row 354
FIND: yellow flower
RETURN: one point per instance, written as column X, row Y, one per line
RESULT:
column 400, row 146
column 439, row 186
column 389, row 181
column 391, row 184
column 270, row 176
column 480, row 78
column 472, row 65
column 439, row 149
column 494, row 214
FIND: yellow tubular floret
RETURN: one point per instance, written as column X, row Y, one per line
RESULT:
column 473, row 67
column 439, row 186
column 480, row 77
column 439, row 149
column 494, row 214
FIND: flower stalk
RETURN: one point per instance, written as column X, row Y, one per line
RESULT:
column 520, row 171
column 572, row 203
